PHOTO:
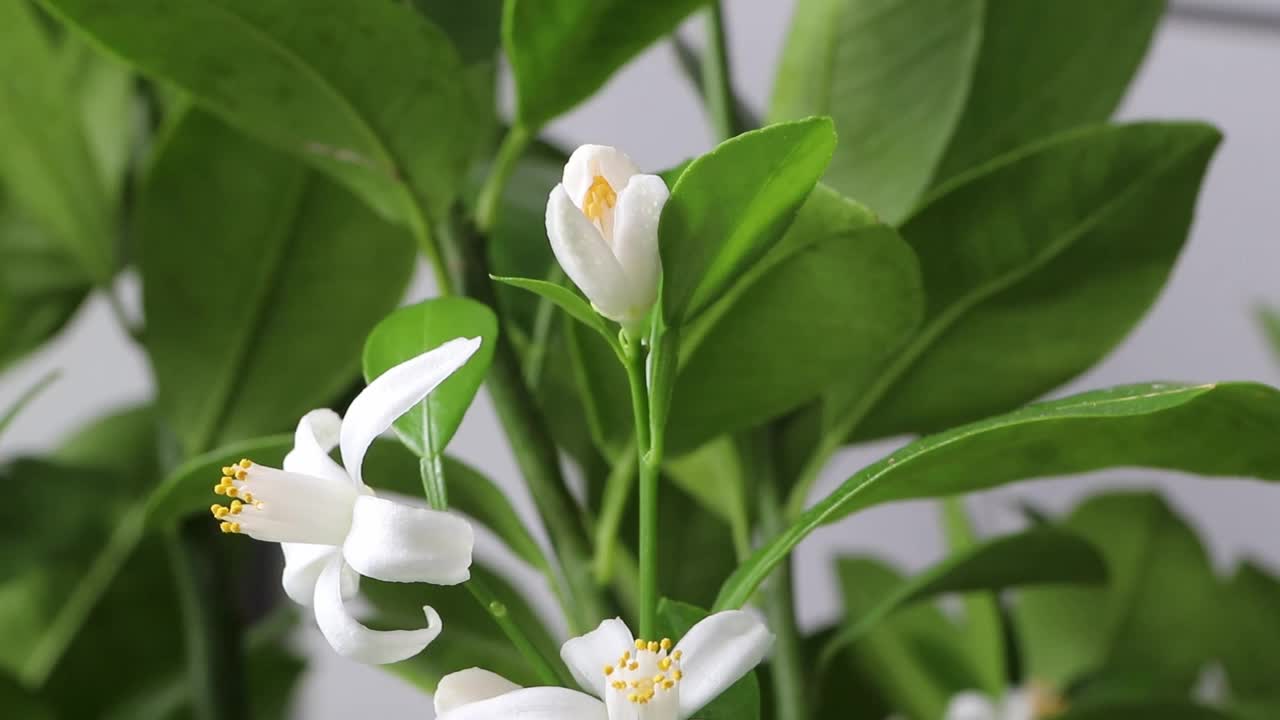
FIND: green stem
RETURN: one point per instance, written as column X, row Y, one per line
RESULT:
column 537, row 457
column 210, row 626
column 649, row 465
column 717, row 87
column 504, row 163
column 790, row 700
column 617, row 491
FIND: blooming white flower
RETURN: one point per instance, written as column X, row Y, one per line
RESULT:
column 331, row 526
column 632, row 679
column 1029, row 703
column 602, row 221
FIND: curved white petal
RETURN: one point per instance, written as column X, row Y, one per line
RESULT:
column 315, row 438
column 1018, row 704
column 470, row 686
column 635, row 237
column 541, row 703
column 395, row 542
column 586, row 258
column 392, row 393
column 588, row 161
column 303, row 563
column 970, row 706
column 717, row 652
column 587, row 655
column 353, row 640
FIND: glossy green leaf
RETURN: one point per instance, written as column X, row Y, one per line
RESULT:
column 731, row 205
column 471, row 637
column 1174, row 427
column 562, row 51
column 41, row 286
column 1043, row 556
column 893, row 75
column 1035, row 267
column 562, row 297
column 742, row 700
column 1161, row 578
column 261, row 280
column 47, row 167
column 1046, row 67
column 372, row 94
column 835, row 309
column 408, row 332
column 917, row 659
column 1250, row 644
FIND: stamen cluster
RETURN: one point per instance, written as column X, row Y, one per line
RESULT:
column 231, row 475
column 653, row 668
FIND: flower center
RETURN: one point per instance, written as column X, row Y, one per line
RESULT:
column 600, row 198
column 647, row 675
column 278, row 506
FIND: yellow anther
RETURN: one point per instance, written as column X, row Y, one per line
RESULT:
column 599, row 198
column 666, row 643
column 227, row 470
column 659, row 678
column 608, row 670
column 236, row 505
column 248, row 498
column 640, row 644
column 677, row 675
column 232, row 491
column 667, row 684
column 653, row 647
column 635, row 683
column 677, row 654
column 246, row 463
column 665, row 664
column 242, row 474
column 634, row 666
column 619, row 685
column 225, row 527
column 625, row 657
column 219, row 489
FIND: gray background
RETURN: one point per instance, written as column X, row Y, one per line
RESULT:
column 1201, row 329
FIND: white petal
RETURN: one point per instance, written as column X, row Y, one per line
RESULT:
column 396, row 542
column 392, row 393
column 303, row 564
column 970, row 706
column 315, row 438
column 635, row 237
column 542, row 703
column 586, row 259
column 588, row 161
column 587, row 655
column 717, row 652
column 1018, row 705
column 352, row 640
column 470, row 686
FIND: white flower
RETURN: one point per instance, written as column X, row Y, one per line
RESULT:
column 627, row 679
column 603, row 225
column 1029, row 703
column 333, row 529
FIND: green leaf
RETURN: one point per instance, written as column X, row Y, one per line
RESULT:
column 1269, row 318
column 984, row 625
column 20, row 702
column 835, row 309
column 475, row 27
column 1160, row 579
column 48, row 168
column 1043, row 556
column 1042, row 70
column 473, row 637
column 1035, row 267
column 11, row 413
column 408, row 332
column 188, row 489
column 565, row 299
column 1145, row 710
column 917, row 658
column 893, row 75
column 742, row 700
column 562, row 51
column 713, row 474
column 41, row 286
column 731, row 205
column 372, row 94
column 1250, row 646
column 261, row 280
column 123, row 441
column 1174, row 427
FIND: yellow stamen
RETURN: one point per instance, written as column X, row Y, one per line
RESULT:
column 599, row 198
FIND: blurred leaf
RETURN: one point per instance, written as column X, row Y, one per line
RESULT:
column 1250, row 643
column 1174, row 427
column 475, row 26
column 18, row 702
column 1149, row 710
column 1270, row 320
column 894, row 76
column 1035, row 267
column 471, row 638
column 1147, row 633
column 47, row 167
column 983, row 625
column 686, row 527
column 260, row 282
column 562, row 51
column 917, row 659
column 372, row 94
column 408, row 332
column 742, row 700
column 713, row 474
column 841, row 689
column 1043, row 556
column 834, row 309
column 730, row 206
column 1045, row 67
column 99, row 444
column 10, row 413
column 602, row 386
